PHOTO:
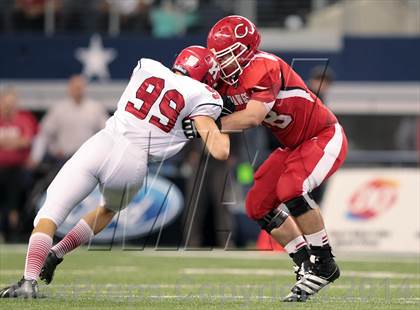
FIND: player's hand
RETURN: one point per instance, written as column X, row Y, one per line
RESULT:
column 189, row 129
column 228, row 106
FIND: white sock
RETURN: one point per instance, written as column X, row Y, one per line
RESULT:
column 294, row 245
column 319, row 238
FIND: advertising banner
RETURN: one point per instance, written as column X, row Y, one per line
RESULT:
column 374, row 210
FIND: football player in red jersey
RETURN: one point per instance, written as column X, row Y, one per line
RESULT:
column 266, row 90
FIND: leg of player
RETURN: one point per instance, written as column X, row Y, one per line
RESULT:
column 72, row 184
column 120, row 180
column 308, row 166
column 39, row 244
column 90, row 225
column 39, row 247
column 263, row 197
column 285, row 231
column 312, row 225
column 323, row 269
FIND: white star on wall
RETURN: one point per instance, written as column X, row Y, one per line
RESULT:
column 95, row 59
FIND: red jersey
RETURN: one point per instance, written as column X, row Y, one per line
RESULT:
column 295, row 113
column 23, row 124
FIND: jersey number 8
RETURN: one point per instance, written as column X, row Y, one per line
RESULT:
column 170, row 106
column 278, row 120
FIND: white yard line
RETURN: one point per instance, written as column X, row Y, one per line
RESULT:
column 285, row 272
column 408, row 300
column 229, row 271
column 272, row 255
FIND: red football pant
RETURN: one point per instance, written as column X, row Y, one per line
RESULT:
column 288, row 174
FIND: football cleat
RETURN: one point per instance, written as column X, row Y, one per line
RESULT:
column 312, row 277
column 47, row 271
column 24, row 289
column 301, row 270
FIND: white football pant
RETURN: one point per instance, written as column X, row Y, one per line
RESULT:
column 107, row 159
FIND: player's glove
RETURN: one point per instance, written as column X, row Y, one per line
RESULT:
column 188, row 124
column 190, row 131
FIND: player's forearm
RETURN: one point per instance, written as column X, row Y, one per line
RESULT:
column 252, row 116
column 240, row 120
column 218, row 145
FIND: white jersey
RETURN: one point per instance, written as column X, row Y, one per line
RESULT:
column 153, row 105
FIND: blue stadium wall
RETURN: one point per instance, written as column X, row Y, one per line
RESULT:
column 361, row 59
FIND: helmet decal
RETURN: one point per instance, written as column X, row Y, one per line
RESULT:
column 199, row 63
column 234, row 40
column 245, row 31
column 192, row 61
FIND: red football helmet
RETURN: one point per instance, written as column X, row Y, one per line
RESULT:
column 234, row 40
column 198, row 63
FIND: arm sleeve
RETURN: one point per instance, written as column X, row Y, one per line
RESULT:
column 208, row 103
column 268, row 85
column 207, row 109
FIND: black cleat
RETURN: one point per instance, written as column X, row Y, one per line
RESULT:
column 316, row 274
column 301, row 260
column 301, row 270
column 23, row 289
column 47, row 271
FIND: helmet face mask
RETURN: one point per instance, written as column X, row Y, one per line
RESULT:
column 229, row 60
column 234, row 40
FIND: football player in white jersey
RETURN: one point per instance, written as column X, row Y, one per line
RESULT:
column 147, row 124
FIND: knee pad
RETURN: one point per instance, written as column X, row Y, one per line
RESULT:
column 300, row 205
column 273, row 220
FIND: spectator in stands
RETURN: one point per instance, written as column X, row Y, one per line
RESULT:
column 6, row 13
column 134, row 15
column 29, row 15
column 68, row 124
column 79, row 15
column 208, row 13
column 17, row 129
column 406, row 134
column 170, row 20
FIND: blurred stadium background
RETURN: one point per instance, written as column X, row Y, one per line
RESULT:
column 366, row 52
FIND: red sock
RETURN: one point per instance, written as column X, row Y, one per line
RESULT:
column 80, row 234
column 38, row 248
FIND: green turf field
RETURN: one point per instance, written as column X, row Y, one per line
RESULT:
column 209, row 280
